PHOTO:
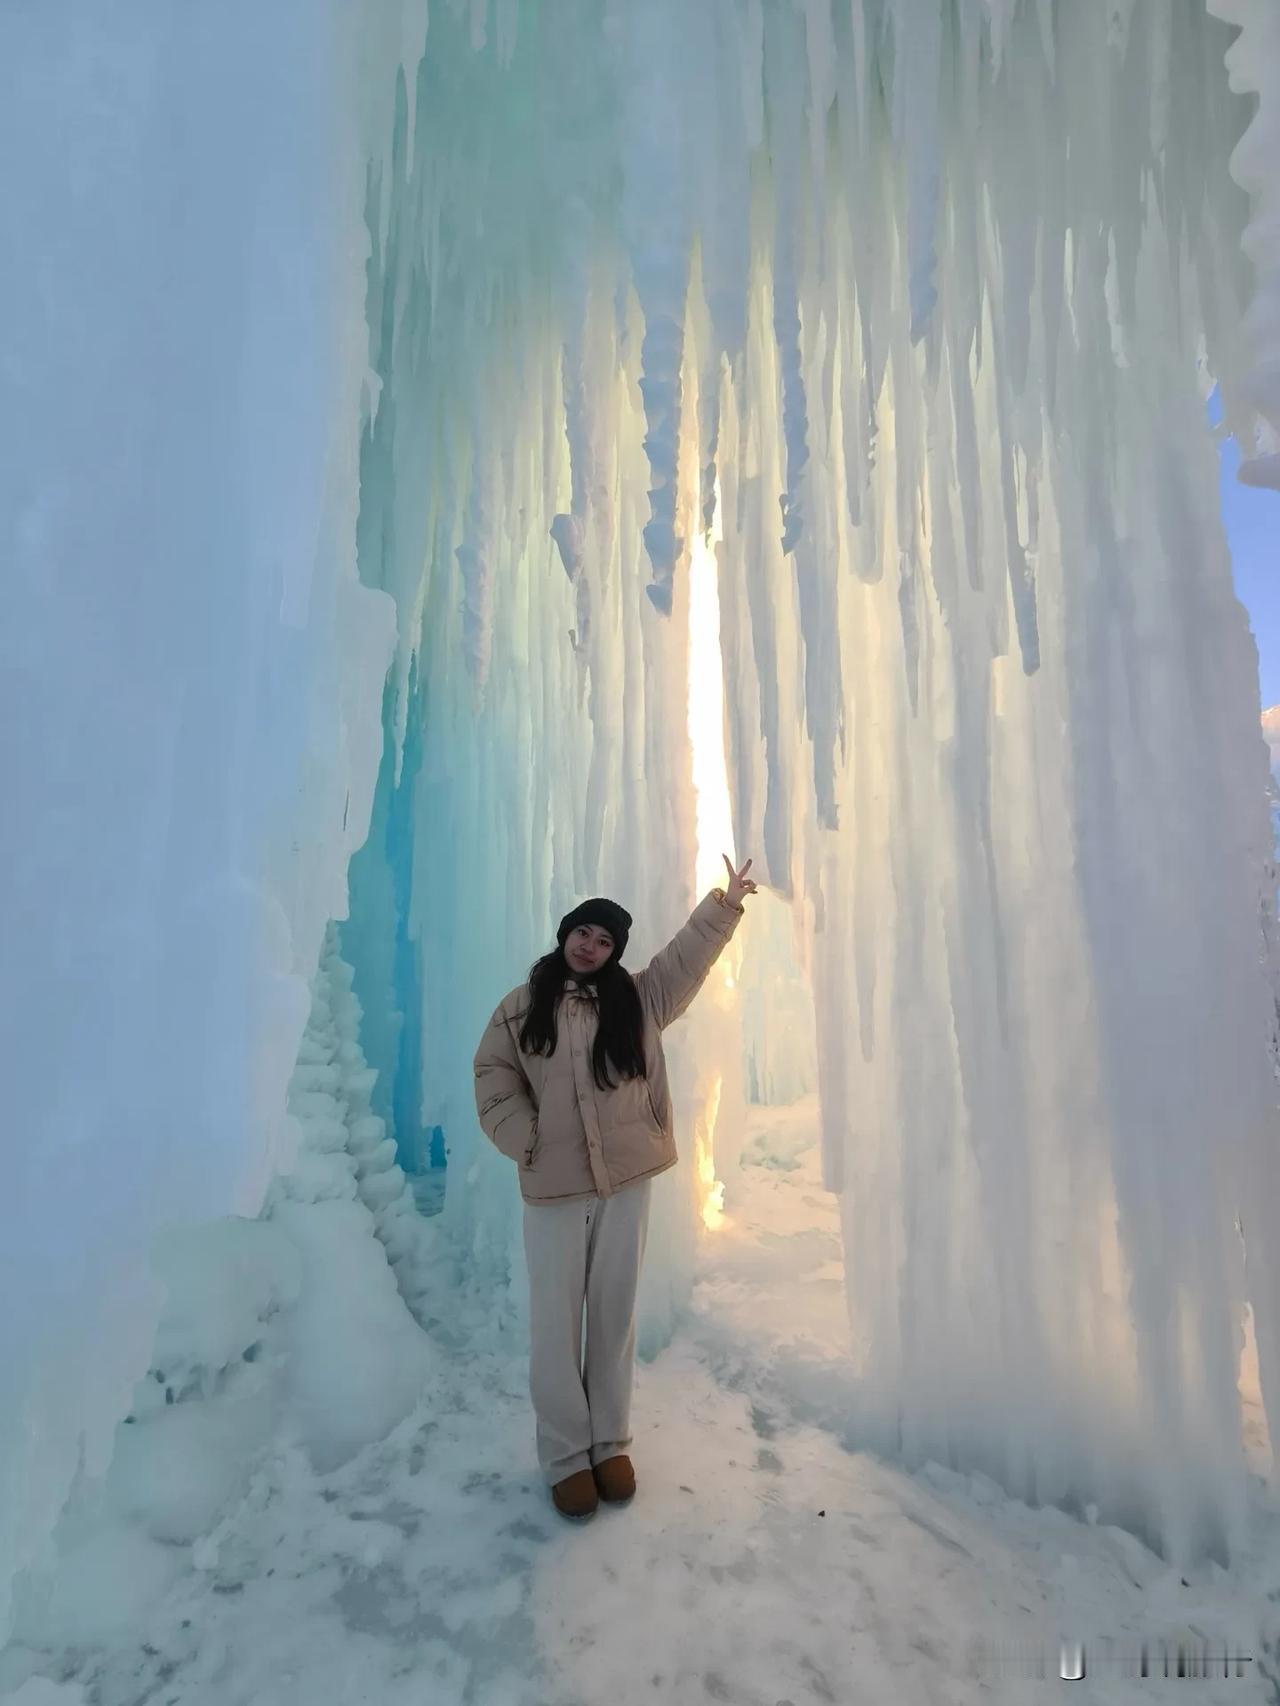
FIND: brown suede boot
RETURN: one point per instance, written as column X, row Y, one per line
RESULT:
column 575, row 1496
column 615, row 1480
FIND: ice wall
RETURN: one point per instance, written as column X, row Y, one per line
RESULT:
column 191, row 671
column 936, row 295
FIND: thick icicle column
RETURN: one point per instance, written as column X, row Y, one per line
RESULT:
column 191, row 676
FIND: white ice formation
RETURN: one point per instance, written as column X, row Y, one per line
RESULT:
column 373, row 373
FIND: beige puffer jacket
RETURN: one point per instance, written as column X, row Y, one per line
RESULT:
column 545, row 1112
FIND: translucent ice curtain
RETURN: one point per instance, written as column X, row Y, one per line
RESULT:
column 919, row 305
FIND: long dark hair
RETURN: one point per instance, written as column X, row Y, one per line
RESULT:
column 620, row 1036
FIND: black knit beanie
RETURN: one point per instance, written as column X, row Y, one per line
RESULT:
column 607, row 914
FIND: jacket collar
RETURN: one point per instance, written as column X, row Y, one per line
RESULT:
column 573, row 987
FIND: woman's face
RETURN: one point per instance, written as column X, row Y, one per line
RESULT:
column 587, row 947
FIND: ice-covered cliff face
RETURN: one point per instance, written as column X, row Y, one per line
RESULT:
column 932, row 294
column 935, row 295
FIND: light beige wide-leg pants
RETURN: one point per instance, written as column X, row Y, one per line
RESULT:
column 586, row 1251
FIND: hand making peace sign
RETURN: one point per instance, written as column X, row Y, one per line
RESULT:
column 739, row 882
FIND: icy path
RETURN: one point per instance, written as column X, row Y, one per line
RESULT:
column 761, row 1563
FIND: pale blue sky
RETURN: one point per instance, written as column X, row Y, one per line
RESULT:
column 1252, row 519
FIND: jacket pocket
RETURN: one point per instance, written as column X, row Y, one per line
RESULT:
column 653, row 1106
column 532, row 1147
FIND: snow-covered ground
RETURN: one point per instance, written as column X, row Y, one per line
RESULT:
column 764, row 1560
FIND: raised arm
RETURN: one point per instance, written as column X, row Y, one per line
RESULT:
column 676, row 973
column 503, row 1100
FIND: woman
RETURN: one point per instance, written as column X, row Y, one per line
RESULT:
column 571, row 1084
